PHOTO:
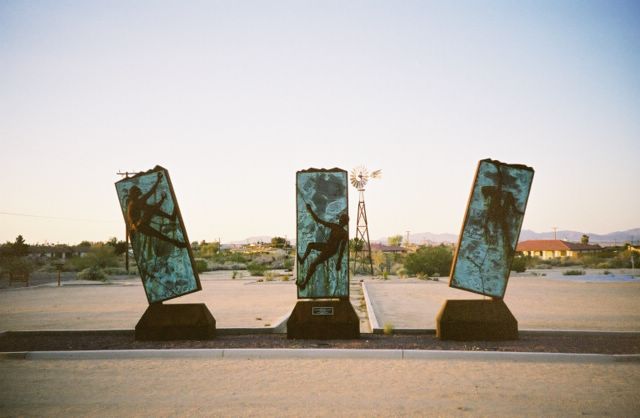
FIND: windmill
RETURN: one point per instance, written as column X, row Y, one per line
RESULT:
column 359, row 178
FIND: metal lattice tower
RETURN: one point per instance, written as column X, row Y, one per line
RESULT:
column 362, row 256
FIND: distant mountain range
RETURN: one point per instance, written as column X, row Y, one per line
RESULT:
column 630, row 235
column 421, row 238
column 251, row 240
column 426, row 238
column 612, row 237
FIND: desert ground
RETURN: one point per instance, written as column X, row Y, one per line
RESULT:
column 320, row 386
column 316, row 387
column 251, row 302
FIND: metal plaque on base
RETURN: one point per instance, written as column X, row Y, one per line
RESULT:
column 323, row 320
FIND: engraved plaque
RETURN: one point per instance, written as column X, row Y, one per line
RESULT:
column 322, row 310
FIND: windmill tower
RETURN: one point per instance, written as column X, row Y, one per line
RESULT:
column 359, row 178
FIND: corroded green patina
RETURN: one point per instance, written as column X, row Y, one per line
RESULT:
column 322, row 242
column 158, row 237
column 491, row 228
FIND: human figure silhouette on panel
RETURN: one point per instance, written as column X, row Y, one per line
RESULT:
column 140, row 213
column 337, row 242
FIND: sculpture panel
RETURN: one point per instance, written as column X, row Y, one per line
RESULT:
column 491, row 228
column 158, row 236
column 322, row 244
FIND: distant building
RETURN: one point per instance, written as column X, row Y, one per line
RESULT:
column 388, row 248
column 552, row 248
column 58, row 251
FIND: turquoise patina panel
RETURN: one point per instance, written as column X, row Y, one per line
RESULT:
column 158, row 237
column 322, row 243
column 491, row 228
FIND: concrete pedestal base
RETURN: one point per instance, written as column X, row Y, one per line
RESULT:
column 324, row 320
column 476, row 319
column 184, row 321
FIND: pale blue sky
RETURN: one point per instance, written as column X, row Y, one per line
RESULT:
column 233, row 97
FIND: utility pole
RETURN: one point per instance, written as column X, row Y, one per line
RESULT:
column 126, row 175
column 555, row 228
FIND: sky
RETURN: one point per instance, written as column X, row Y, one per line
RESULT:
column 234, row 97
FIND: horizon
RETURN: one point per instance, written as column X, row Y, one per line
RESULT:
column 234, row 98
column 254, row 239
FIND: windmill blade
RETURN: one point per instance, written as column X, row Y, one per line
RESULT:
column 354, row 180
column 376, row 174
column 359, row 177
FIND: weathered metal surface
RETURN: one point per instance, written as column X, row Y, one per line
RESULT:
column 322, row 213
column 491, row 228
column 158, row 236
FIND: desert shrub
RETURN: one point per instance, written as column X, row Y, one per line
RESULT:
column 115, row 271
column 287, row 264
column 256, row 269
column 99, row 256
column 430, row 260
column 17, row 265
column 573, row 273
column 92, row 273
column 401, row 272
column 519, row 264
column 388, row 329
column 201, row 265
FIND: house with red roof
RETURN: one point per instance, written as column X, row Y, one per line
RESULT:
column 554, row 248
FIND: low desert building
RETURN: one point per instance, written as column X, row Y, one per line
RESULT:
column 554, row 248
column 388, row 248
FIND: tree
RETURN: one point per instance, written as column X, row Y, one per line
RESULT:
column 395, row 240
column 584, row 239
column 430, row 260
column 209, row 249
column 279, row 242
column 20, row 248
column 119, row 247
column 13, row 257
column 356, row 244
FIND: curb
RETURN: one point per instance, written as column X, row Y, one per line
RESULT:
column 250, row 353
column 280, row 327
column 371, row 314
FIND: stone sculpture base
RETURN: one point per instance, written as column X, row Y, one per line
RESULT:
column 183, row 321
column 476, row 319
column 323, row 320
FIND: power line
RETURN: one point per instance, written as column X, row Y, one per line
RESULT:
column 29, row 215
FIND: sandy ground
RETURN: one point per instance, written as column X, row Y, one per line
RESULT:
column 536, row 302
column 228, row 387
column 234, row 303
column 318, row 387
